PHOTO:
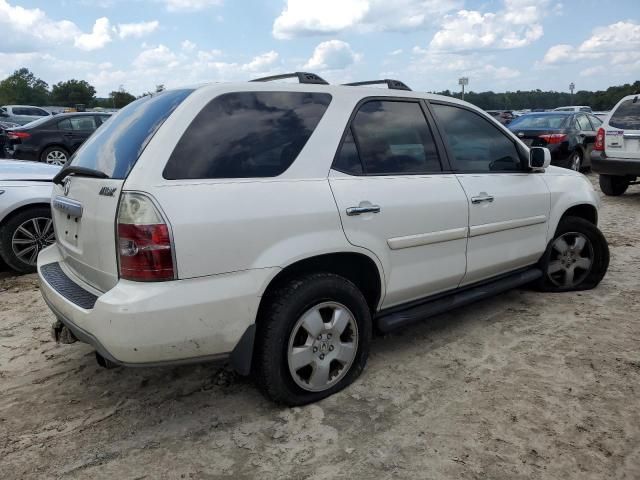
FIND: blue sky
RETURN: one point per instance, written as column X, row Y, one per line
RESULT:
column 498, row 44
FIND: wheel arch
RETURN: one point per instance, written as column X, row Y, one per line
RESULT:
column 585, row 211
column 21, row 208
column 53, row 144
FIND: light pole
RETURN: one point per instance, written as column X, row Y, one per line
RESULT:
column 572, row 86
column 462, row 81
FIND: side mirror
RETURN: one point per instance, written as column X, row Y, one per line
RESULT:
column 539, row 158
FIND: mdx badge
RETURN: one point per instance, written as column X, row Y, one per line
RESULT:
column 107, row 191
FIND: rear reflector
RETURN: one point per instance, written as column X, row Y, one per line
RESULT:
column 553, row 138
column 145, row 252
column 599, row 145
column 17, row 135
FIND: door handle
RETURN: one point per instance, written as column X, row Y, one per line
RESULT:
column 351, row 211
column 482, row 198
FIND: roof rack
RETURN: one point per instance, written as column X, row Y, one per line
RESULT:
column 392, row 84
column 303, row 77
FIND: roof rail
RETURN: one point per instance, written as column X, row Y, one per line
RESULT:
column 303, row 77
column 392, row 84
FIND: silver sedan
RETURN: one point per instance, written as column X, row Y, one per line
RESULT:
column 25, row 212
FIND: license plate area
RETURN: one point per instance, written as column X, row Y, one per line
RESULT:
column 69, row 214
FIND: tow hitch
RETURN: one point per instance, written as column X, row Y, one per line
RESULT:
column 61, row 333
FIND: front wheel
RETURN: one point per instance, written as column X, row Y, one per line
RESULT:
column 576, row 259
column 312, row 339
column 575, row 162
column 613, row 185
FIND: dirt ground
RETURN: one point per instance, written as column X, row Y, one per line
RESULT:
column 523, row 386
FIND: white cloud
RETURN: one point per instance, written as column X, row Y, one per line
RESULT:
column 303, row 17
column 558, row 53
column 261, row 62
column 137, row 30
column 188, row 46
column 100, row 35
column 517, row 25
column 159, row 57
column 332, row 55
column 190, row 5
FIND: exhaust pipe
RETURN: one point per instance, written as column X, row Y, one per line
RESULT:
column 61, row 333
column 105, row 362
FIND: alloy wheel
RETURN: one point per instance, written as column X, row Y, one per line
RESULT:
column 322, row 346
column 56, row 157
column 31, row 237
column 571, row 260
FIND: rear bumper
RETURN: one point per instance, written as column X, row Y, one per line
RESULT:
column 21, row 153
column 604, row 165
column 147, row 324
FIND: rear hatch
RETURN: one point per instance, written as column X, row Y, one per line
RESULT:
column 622, row 133
column 85, row 200
column 540, row 129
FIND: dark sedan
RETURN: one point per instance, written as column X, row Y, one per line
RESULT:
column 52, row 139
column 568, row 135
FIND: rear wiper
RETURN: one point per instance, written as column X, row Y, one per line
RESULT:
column 79, row 171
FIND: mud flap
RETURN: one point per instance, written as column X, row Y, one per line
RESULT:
column 242, row 354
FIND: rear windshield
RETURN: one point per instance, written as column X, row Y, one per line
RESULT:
column 115, row 147
column 247, row 134
column 539, row 122
column 627, row 115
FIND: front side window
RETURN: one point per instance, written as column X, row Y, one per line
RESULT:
column 247, row 134
column 627, row 115
column 21, row 111
column 393, row 137
column 476, row 144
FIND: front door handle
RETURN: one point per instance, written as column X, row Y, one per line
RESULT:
column 351, row 211
column 483, row 197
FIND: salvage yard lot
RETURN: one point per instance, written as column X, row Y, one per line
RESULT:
column 522, row 386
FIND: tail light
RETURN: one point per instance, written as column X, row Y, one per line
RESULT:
column 553, row 138
column 145, row 250
column 18, row 135
column 599, row 145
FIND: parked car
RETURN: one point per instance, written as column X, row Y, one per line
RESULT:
column 575, row 108
column 22, row 114
column 52, row 139
column 279, row 224
column 25, row 212
column 4, row 126
column 569, row 136
column 601, row 115
column 616, row 155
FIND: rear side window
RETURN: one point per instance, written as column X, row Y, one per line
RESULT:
column 114, row 149
column 476, row 144
column 247, row 135
column 583, row 122
column 348, row 160
column 595, row 121
column 83, row 123
column 627, row 115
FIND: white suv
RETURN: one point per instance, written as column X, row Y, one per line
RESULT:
column 281, row 224
column 616, row 152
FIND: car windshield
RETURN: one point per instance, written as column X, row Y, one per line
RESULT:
column 539, row 122
column 115, row 147
column 37, row 122
column 627, row 115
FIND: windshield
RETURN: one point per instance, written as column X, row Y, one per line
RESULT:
column 37, row 122
column 115, row 147
column 539, row 122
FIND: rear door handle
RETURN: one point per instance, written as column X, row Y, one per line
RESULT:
column 351, row 211
column 482, row 198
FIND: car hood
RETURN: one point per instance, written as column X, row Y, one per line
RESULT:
column 22, row 170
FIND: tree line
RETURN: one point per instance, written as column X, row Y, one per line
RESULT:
column 24, row 88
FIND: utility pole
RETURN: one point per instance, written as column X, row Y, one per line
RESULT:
column 572, row 86
column 462, row 81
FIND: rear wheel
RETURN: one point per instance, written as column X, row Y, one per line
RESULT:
column 312, row 339
column 576, row 259
column 24, row 235
column 55, row 156
column 613, row 185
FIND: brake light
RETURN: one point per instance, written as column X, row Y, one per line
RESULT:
column 18, row 135
column 145, row 251
column 599, row 145
column 553, row 138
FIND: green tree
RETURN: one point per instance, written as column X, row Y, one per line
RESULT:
column 23, row 87
column 121, row 98
column 73, row 92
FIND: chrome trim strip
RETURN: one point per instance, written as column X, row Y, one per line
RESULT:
column 68, row 206
column 487, row 228
column 631, row 135
column 420, row 239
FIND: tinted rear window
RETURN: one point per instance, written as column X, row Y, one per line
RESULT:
column 539, row 122
column 247, row 134
column 115, row 147
column 627, row 115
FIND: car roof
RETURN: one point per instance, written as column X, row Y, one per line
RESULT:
column 27, row 106
column 76, row 114
column 566, row 113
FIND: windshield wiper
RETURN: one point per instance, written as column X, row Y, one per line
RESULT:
column 79, row 171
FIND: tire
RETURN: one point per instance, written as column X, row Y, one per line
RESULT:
column 10, row 233
column 555, row 263
column 613, row 185
column 575, row 161
column 55, row 156
column 281, row 327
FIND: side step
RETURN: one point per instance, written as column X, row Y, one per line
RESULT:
column 387, row 322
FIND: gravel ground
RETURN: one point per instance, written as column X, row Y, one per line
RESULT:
column 522, row 386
